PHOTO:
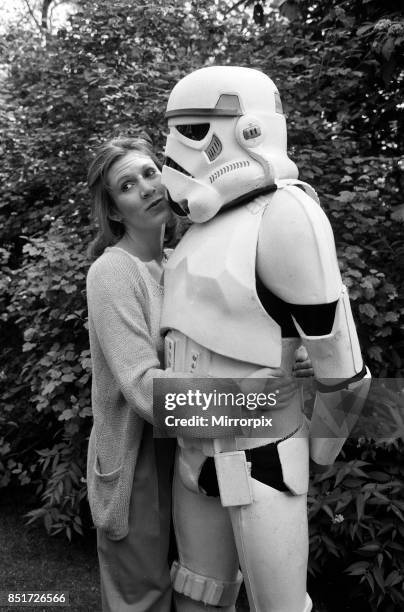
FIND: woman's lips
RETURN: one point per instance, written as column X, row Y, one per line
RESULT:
column 155, row 203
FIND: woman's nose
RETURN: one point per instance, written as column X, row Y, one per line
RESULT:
column 146, row 189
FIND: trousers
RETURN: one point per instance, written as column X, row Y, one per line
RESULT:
column 134, row 571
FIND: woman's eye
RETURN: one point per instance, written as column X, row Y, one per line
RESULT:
column 150, row 172
column 126, row 186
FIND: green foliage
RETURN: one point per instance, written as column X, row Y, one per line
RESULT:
column 356, row 512
column 45, row 383
column 343, row 125
column 109, row 71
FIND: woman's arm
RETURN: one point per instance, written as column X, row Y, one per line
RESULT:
column 119, row 329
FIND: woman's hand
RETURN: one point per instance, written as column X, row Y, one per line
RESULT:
column 279, row 385
column 285, row 387
column 302, row 367
column 282, row 386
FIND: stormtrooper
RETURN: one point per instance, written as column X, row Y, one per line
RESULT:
column 254, row 277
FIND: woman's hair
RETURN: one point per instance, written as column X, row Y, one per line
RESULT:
column 109, row 230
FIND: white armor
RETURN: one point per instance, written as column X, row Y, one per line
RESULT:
column 227, row 139
column 219, row 326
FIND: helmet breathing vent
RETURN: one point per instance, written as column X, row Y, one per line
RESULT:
column 252, row 131
column 214, row 149
column 228, row 168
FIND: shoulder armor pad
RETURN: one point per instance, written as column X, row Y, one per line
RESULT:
column 305, row 186
column 296, row 256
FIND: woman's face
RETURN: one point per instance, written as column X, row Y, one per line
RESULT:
column 139, row 197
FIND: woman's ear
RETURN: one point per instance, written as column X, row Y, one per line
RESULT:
column 114, row 215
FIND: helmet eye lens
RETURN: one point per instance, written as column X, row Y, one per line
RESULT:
column 194, row 131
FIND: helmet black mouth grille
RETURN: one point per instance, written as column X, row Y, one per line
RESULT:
column 170, row 163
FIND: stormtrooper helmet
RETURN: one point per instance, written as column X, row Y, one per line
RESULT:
column 227, row 140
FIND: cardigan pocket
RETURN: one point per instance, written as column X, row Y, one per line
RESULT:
column 109, row 500
column 110, row 473
column 108, row 476
column 109, row 496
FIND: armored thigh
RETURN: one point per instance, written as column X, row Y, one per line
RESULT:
column 271, row 534
column 207, row 573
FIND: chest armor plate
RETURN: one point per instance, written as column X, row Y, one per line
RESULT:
column 210, row 289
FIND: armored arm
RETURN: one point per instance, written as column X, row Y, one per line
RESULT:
column 297, row 261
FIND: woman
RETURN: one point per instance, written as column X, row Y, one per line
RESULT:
column 129, row 472
column 130, row 507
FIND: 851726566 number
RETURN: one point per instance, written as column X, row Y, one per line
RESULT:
column 34, row 598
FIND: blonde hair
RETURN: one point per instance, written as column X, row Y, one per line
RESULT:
column 109, row 230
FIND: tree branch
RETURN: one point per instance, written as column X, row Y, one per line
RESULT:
column 33, row 15
column 246, row 2
column 45, row 9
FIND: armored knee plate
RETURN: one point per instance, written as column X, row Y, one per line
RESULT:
column 208, row 590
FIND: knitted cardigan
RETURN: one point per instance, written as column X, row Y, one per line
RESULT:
column 124, row 307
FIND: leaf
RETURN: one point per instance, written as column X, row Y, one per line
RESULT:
column 368, row 309
column 360, row 506
column 88, row 75
column 388, row 48
column 378, row 575
column 364, row 28
column 353, row 483
column 327, row 510
column 379, row 476
column 393, row 578
column 397, row 512
column 68, row 377
column 49, row 388
column 66, row 415
column 291, row 11
column 346, row 196
column 48, row 522
column 370, row 580
column 357, row 569
column 375, row 352
column 28, row 346
column 372, row 547
column 331, row 547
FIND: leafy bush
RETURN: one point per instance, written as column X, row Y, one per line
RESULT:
column 356, row 513
column 109, row 71
column 48, row 402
